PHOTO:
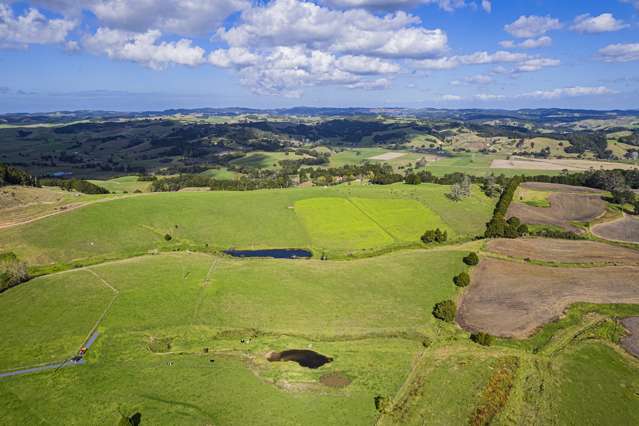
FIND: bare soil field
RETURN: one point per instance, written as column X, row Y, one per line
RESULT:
column 388, row 156
column 565, row 251
column 511, row 299
column 564, row 208
column 557, row 164
column 557, row 187
column 625, row 229
column 631, row 341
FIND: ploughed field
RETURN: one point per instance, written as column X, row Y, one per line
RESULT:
column 625, row 229
column 565, row 204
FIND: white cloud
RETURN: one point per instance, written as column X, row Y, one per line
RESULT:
column 286, row 45
column 477, row 58
column 143, row 48
column 532, row 26
column 530, row 43
column 488, row 97
column 447, row 5
column 620, row 52
column 536, row 64
column 479, row 79
column 451, row 98
column 487, row 6
column 184, row 17
column 294, row 22
column 603, row 23
column 568, row 92
column 32, row 27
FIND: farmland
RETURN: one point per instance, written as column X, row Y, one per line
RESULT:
column 454, row 329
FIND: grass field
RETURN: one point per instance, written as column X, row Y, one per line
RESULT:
column 123, row 184
column 343, row 309
column 258, row 219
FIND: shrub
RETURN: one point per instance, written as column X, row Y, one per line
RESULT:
column 482, row 338
column 435, row 236
column 462, row 280
column 12, row 271
column 168, row 237
column 445, row 310
column 383, row 404
column 472, row 259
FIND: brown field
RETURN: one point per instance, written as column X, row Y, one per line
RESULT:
column 625, row 229
column 557, row 164
column 631, row 341
column 557, row 187
column 564, row 251
column 512, row 299
column 565, row 207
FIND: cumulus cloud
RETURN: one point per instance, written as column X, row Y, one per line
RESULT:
column 488, row 97
column 530, row 43
column 568, row 92
column 183, row 17
column 450, row 98
column 447, row 5
column 487, row 6
column 532, row 26
column 603, row 23
column 32, row 27
column 144, row 48
column 622, row 52
column 477, row 58
column 536, row 64
column 285, row 45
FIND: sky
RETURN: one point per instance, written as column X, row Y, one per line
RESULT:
column 135, row 55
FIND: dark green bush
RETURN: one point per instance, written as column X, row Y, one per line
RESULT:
column 482, row 338
column 472, row 259
column 462, row 280
column 435, row 236
column 168, row 237
column 445, row 310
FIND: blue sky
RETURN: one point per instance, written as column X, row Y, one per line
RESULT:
column 156, row 54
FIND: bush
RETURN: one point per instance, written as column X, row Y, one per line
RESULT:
column 12, row 271
column 482, row 338
column 445, row 310
column 472, row 259
column 435, row 236
column 462, row 280
column 168, row 237
column 383, row 404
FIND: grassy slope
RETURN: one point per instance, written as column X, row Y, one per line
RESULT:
column 164, row 296
column 219, row 219
column 123, row 184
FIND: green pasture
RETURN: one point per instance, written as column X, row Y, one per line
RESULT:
column 265, row 160
column 256, row 219
column 477, row 164
column 346, row 310
column 123, row 184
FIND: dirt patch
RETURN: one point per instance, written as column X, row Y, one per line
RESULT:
column 524, row 163
column 631, row 341
column 159, row 345
column 513, row 299
column 625, row 229
column 564, row 208
column 557, row 187
column 335, row 380
column 304, row 357
column 565, row 251
column 388, row 156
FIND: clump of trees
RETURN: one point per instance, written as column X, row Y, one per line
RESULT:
column 12, row 271
column 462, row 280
column 498, row 225
column 435, row 236
column 471, row 259
column 383, row 404
column 13, row 176
column 482, row 338
column 460, row 190
column 445, row 310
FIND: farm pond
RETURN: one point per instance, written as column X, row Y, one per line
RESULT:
column 304, row 357
column 274, row 253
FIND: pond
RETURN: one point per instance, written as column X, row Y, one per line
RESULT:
column 274, row 253
column 303, row 357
